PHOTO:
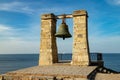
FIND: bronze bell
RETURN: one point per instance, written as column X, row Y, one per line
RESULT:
column 63, row 31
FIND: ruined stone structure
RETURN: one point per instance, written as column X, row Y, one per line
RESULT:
column 48, row 48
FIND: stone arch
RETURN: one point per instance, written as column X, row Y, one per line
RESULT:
column 48, row 46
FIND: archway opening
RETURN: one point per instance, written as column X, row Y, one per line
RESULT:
column 65, row 46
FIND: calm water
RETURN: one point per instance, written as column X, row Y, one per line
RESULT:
column 10, row 62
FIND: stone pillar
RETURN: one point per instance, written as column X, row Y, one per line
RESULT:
column 48, row 48
column 80, row 44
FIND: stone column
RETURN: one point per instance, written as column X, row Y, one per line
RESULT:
column 80, row 44
column 48, row 48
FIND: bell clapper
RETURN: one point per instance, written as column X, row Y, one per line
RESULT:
column 63, row 37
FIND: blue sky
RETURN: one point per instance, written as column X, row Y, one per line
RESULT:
column 20, row 24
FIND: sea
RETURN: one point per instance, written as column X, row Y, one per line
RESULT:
column 11, row 62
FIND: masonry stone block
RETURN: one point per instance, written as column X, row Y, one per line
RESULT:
column 80, row 44
column 48, row 48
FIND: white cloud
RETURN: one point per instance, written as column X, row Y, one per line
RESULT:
column 104, row 43
column 17, row 41
column 30, row 8
column 117, row 2
column 4, row 28
column 113, row 2
column 27, row 8
column 30, row 33
column 6, row 31
column 18, row 46
column 16, row 7
column 108, row 44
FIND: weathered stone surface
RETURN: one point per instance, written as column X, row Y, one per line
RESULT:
column 1, row 77
column 68, row 79
column 79, row 13
column 48, row 16
column 48, row 48
column 81, row 79
column 50, row 72
column 101, row 76
column 26, row 77
column 80, row 44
